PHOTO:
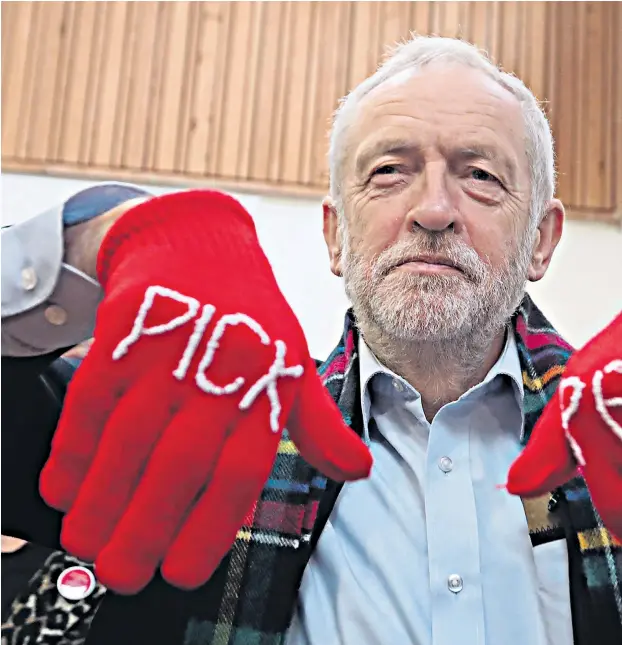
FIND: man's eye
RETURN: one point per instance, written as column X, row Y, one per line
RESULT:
column 481, row 175
column 385, row 170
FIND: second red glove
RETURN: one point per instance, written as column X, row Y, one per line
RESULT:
column 580, row 430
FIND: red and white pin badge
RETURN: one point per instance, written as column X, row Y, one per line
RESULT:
column 76, row 583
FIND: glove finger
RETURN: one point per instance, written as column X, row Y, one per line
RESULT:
column 547, row 461
column 131, row 433
column 89, row 401
column 211, row 528
column 320, row 434
column 179, row 467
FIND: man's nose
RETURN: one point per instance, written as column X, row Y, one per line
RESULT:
column 433, row 208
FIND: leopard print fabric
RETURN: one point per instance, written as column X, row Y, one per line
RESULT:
column 41, row 616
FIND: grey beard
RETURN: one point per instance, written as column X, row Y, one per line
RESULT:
column 449, row 317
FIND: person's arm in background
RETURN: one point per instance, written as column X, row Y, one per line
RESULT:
column 49, row 300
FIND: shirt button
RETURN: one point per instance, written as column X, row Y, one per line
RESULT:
column 454, row 583
column 398, row 385
column 29, row 278
column 76, row 583
column 445, row 464
column 55, row 315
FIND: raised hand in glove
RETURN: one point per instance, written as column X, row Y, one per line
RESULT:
column 580, row 430
column 172, row 422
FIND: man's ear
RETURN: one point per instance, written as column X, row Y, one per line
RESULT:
column 332, row 235
column 547, row 238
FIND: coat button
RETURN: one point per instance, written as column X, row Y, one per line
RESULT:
column 76, row 583
column 29, row 278
column 55, row 315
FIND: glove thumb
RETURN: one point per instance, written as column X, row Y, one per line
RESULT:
column 547, row 461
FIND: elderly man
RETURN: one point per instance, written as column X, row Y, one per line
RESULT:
column 441, row 208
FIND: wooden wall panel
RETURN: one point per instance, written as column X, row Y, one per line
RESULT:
column 242, row 93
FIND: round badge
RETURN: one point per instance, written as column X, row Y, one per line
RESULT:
column 75, row 583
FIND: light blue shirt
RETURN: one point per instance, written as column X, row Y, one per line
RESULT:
column 427, row 551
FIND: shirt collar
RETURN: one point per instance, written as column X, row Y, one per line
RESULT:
column 508, row 364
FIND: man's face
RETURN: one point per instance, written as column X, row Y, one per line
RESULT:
column 436, row 194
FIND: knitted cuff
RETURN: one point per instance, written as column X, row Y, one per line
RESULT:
column 196, row 224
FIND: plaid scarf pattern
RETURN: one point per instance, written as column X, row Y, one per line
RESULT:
column 252, row 596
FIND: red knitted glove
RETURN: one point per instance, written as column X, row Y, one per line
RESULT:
column 172, row 422
column 580, row 430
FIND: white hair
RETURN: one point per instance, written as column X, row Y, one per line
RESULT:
column 422, row 50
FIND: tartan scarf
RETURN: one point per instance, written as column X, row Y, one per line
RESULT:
column 251, row 597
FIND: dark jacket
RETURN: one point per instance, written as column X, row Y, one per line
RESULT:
column 250, row 598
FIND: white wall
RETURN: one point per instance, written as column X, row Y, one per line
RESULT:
column 581, row 293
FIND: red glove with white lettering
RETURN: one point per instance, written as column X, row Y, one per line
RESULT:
column 580, row 430
column 172, row 422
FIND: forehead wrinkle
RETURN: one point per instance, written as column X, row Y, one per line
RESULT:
column 485, row 102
